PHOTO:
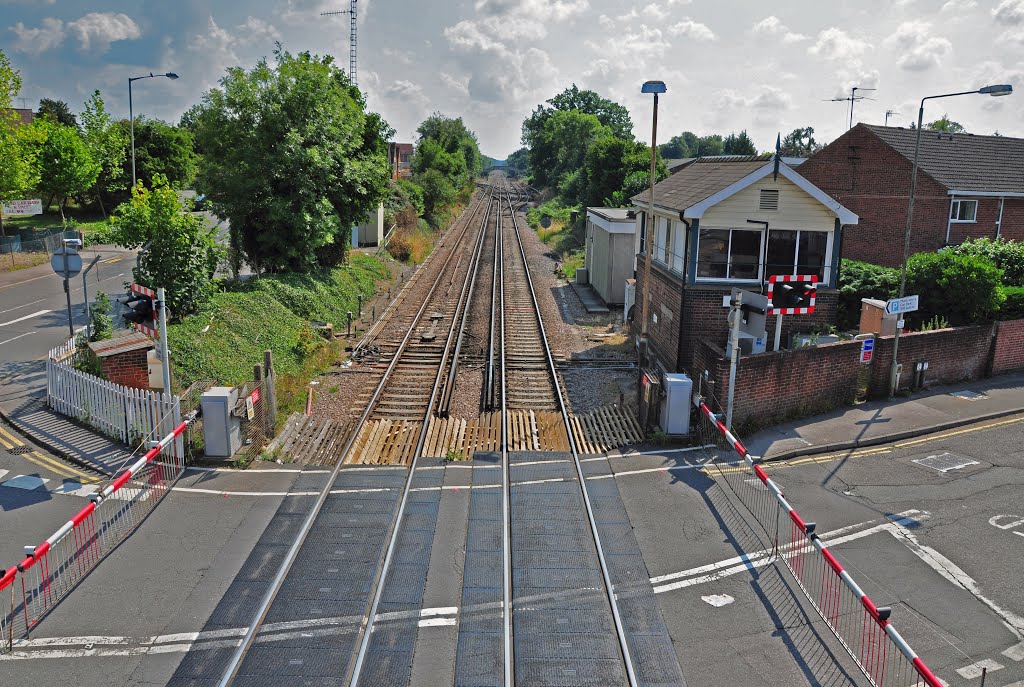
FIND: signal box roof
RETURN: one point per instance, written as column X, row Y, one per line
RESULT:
column 132, row 341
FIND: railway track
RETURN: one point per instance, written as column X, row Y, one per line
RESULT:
column 363, row 550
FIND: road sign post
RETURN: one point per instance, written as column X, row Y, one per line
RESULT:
column 67, row 263
column 161, row 295
column 897, row 306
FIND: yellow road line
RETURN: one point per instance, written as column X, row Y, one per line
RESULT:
column 110, row 260
column 958, row 432
column 45, row 465
column 62, row 468
column 11, row 438
column 6, row 445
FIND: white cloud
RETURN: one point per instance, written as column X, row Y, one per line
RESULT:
column 456, row 83
column 656, row 11
column 766, row 98
column 916, row 47
column 97, row 30
column 37, row 41
column 1009, row 12
column 773, row 26
column 540, row 10
column 255, row 29
column 408, row 93
column 693, row 30
column 959, row 5
column 836, row 44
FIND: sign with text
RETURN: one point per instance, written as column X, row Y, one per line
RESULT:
column 867, row 347
column 23, row 208
column 901, row 305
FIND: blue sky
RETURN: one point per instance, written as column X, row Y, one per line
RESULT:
column 729, row 64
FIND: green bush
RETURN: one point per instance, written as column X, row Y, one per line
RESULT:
column 964, row 289
column 859, row 280
column 1013, row 307
column 100, row 322
column 1007, row 256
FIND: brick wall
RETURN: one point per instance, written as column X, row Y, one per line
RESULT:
column 130, row 369
column 953, row 355
column 873, row 180
column 773, row 387
column 983, row 226
column 1012, row 227
column 665, row 298
column 1008, row 350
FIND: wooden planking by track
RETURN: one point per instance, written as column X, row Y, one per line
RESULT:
column 604, row 429
column 310, row 440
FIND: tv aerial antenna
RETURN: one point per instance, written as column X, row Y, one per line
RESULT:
column 853, row 98
column 351, row 11
column 891, row 113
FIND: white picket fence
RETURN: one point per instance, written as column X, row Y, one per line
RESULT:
column 129, row 415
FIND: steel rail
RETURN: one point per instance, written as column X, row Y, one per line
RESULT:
column 489, row 387
column 307, row 525
column 461, row 305
column 506, row 484
column 449, row 387
column 619, row 628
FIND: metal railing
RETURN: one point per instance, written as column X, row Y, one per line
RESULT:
column 50, row 570
column 863, row 628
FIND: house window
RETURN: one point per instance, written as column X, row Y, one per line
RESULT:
column 796, row 252
column 678, row 247
column 769, row 199
column 963, row 211
column 729, row 254
column 643, row 233
column 661, row 240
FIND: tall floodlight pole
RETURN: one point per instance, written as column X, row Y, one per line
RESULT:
column 131, row 112
column 996, row 90
column 655, row 87
column 351, row 11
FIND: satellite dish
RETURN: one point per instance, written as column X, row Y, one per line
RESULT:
column 545, row 222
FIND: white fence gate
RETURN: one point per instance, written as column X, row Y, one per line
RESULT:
column 129, row 415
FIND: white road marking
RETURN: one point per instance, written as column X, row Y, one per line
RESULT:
column 24, row 305
column 26, row 317
column 1015, row 652
column 15, row 338
column 718, row 600
column 27, row 482
column 974, row 670
column 667, row 450
column 668, row 468
column 3, row 473
column 436, row 622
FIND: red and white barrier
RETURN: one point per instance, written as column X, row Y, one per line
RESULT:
column 50, row 570
column 864, row 629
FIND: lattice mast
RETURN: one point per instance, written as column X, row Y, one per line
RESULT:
column 352, row 38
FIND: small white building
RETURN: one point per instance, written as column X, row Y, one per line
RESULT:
column 370, row 232
column 609, row 251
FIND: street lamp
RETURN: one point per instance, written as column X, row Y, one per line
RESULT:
column 131, row 114
column 655, row 87
column 995, row 90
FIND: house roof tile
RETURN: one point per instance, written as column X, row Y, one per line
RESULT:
column 700, row 180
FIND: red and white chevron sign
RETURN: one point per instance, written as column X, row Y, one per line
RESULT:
column 803, row 278
column 152, row 332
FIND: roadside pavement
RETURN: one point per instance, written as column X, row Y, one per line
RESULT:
column 878, row 422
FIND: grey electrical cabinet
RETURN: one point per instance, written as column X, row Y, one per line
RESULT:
column 675, row 409
column 222, row 434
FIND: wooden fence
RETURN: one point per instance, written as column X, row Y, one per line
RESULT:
column 129, row 415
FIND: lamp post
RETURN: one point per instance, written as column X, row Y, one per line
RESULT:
column 995, row 90
column 655, row 87
column 131, row 112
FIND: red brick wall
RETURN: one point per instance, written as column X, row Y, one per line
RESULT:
column 773, row 387
column 873, row 180
column 664, row 301
column 1012, row 227
column 1008, row 351
column 130, row 369
column 953, row 355
column 983, row 226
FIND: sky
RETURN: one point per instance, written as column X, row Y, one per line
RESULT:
column 728, row 64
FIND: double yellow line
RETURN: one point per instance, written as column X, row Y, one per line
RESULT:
column 874, row 451
column 10, row 442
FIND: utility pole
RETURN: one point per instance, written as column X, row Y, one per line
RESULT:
column 351, row 11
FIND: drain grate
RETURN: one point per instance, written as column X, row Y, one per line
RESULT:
column 20, row 450
column 944, row 462
column 968, row 395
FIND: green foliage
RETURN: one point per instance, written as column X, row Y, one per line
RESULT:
column 738, row 144
column 66, row 167
column 160, row 148
column 937, row 322
column 963, row 288
column 410, row 194
column 446, row 161
column 800, row 142
column 1007, row 256
column 945, row 124
column 57, row 111
column 611, row 170
column 108, row 145
column 84, row 360
column 1013, row 304
column 438, row 194
column 180, row 253
column 859, row 280
column 99, row 318
column 19, row 145
column 688, row 144
column 291, row 158
column 455, row 139
column 561, row 146
column 257, row 314
column 519, row 161
column 608, row 113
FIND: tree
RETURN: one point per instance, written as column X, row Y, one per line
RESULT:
column 101, row 324
column 66, row 167
column 609, row 162
column 108, row 146
column 58, row 111
column 685, row 144
column 179, row 252
column 710, row 145
column 964, row 289
column 161, row 148
column 609, row 113
column 946, row 125
column 559, row 148
column 292, row 159
column 800, row 143
column 519, row 161
column 438, row 193
column 19, row 144
column 738, row 144
column 445, row 144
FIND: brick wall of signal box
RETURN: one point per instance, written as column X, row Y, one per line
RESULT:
column 129, row 369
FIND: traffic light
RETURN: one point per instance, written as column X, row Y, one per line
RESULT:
column 792, row 295
column 140, row 309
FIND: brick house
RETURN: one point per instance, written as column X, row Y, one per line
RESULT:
column 730, row 222
column 967, row 186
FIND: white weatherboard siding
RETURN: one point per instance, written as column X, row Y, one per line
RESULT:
column 797, row 209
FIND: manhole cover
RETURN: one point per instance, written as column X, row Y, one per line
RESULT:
column 944, row 462
column 968, row 395
column 20, row 450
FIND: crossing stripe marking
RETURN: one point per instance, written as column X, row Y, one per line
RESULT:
column 27, row 482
